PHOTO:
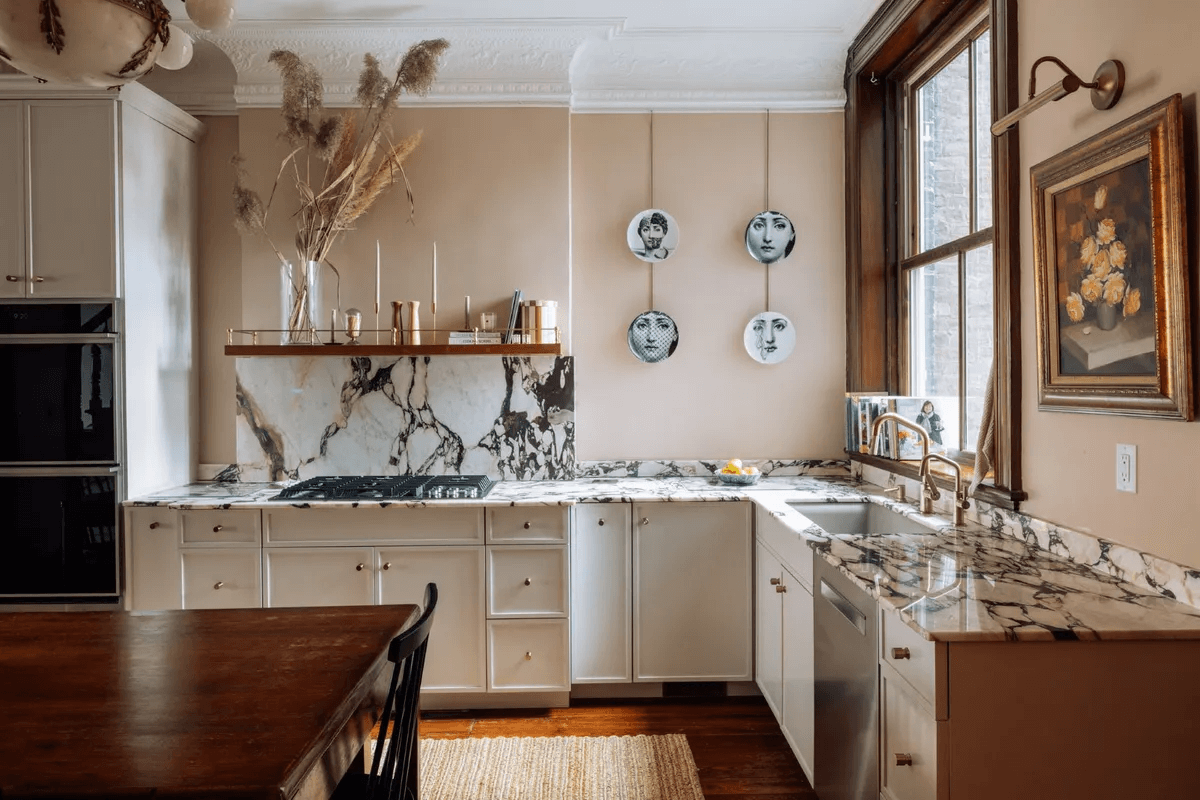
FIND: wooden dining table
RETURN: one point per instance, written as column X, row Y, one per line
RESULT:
column 247, row 703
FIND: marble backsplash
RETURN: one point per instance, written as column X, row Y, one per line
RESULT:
column 508, row 418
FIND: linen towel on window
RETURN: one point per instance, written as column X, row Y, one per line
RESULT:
column 985, row 449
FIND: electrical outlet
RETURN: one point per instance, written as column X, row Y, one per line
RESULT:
column 1126, row 468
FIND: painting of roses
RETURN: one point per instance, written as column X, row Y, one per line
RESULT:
column 1111, row 268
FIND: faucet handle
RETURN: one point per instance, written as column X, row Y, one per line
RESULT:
column 931, row 489
column 897, row 490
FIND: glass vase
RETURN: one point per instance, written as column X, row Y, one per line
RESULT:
column 300, row 293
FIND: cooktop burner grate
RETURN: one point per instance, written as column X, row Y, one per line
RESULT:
column 388, row 487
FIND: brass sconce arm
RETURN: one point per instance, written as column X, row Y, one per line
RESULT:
column 1106, row 88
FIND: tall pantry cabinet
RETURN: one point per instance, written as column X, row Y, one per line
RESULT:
column 98, row 198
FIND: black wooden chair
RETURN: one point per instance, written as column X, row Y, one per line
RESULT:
column 393, row 773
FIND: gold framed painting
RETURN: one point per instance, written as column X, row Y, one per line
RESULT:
column 1111, row 271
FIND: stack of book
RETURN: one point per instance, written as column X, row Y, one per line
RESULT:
column 476, row 337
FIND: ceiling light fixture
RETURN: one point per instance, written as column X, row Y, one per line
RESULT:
column 1106, row 88
column 104, row 43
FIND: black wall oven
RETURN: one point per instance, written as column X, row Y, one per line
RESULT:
column 60, row 453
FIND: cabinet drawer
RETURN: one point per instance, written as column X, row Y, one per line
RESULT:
column 319, row 576
column 458, row 525
column 791, row 547
column 908, row 742
column 914, row 657
column 222, row 578
column 528, row 524
column 527, row 581
column 221, row 526
column 528, row 654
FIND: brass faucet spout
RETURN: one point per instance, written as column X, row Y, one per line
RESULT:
column 899, row 420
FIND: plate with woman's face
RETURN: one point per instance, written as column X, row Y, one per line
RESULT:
column 653, row 336
column 652, row 235
column 770, row 237
column 769, row 337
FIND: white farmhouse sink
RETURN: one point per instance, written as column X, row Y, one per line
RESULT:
column 868, row 518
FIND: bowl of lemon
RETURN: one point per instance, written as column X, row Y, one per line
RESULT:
column 735, row 473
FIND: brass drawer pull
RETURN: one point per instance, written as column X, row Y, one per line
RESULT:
column 360, row 567
column 387, row 565
column 39, row 279
column 528, row 582
column 903, row 760
column 900, row 653
column 12, row 278
column 601, row 523
column 780, row 589
column 528, row 656
column 527, row 526
column 218, row 584
column 774, row 581
column 217, row 528
column 645, row 520
column 153, row 525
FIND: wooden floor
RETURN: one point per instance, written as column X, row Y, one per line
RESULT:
column 735, row 741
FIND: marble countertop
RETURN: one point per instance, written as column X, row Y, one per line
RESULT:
column 964, row 583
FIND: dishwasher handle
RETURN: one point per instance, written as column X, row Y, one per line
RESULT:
column 844, row 607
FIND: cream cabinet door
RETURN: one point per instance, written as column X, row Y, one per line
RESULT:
column 693, row 616
column 799, row 682
column 768, row 628
column 14, row 269
column 222, row 577
column 601, row 594
column 73, row 198
column 456, row 656
column 319, row 576
column 152, row 570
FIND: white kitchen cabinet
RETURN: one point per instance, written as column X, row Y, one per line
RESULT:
column 319, row 576
column 153, row 578
column 222, row 577
column 528, row 655
column 13, row 192
column 601, row 594
column 455, row 660
column 693, row 617
column 527, row 581
column 784, row 633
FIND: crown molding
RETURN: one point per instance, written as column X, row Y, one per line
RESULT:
column 631, row 101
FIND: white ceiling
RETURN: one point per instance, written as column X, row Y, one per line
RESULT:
column 591, row 55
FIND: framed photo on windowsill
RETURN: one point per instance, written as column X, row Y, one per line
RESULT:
column 1111, row 271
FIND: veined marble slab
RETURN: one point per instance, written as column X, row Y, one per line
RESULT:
column 507, row 418
column 665, row 468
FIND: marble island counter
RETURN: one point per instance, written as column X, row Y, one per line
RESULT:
column 965, row 583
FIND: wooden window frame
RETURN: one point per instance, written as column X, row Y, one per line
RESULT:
column 899, row 32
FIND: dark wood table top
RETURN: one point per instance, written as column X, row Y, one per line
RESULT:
column 247, row 703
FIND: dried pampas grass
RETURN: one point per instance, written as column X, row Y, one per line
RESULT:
column 343, row 162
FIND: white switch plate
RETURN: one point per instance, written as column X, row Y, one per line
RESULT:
column 1127, row 468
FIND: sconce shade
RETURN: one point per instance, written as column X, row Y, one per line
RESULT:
column 178, row 51
column 101, row 43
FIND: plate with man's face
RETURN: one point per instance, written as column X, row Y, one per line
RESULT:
column 769, row 337
column 652, row 235
column 770, row 237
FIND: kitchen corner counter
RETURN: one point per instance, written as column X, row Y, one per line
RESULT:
column 966, row 583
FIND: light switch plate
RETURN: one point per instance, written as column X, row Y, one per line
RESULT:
column 1127, row 468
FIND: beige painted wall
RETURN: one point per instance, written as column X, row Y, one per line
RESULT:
column 1069, row 458
column 710, row 399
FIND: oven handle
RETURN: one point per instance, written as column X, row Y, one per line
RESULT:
column 57, row 471
column 58, row 338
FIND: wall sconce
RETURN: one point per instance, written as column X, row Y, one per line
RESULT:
column 1106, row 88
column 102, row 43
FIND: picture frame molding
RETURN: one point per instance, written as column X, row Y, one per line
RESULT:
column 1154, row 134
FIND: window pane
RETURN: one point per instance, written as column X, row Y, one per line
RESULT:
column 983, row 134
column 933, row 329
column 979, row 339
column 944, row 154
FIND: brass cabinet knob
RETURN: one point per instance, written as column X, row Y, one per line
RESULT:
column 387, row 565
column 153, row 525
column 774, row 581
column 217, row 528
column 645, row 520
column 528, row 582
column 12, row 278
column 780, row 589
column 900, row 653
column 39, row 279
column 903, row 760
column 527, row 526
column 528, row 656
column 601, row 523
column 218, row 584
column 360, row 567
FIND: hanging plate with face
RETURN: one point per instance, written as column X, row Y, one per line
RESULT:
column 770, row 237
column 770, row 337
column 652, row 235
column 653, row 336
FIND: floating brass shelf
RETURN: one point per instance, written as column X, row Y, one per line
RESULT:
column 315, row 344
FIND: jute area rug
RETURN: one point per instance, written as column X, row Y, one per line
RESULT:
column 566, row 767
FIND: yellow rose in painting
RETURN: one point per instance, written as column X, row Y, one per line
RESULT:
column 1075, row 307
column 1101, row 197
column 1114, row 289
column 1091, row 288
column 1100, row 265
column 1106, row 231
column 1117, row 254
column 1087, row 250
column 1133, row 302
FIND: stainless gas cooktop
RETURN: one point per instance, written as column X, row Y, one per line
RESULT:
column 388, row 487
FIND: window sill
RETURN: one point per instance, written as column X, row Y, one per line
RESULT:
column 992, row 495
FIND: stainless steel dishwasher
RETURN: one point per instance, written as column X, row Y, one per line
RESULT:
column 846, row 657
